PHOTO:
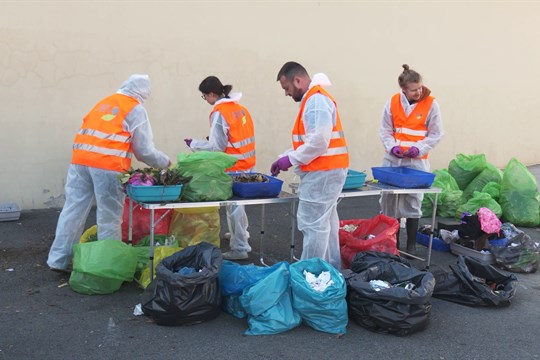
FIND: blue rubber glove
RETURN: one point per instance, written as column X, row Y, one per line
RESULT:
column 188, row 141
column 412, row 152
column 397, row 152
column 283, row 164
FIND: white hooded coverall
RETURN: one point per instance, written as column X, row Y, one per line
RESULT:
column 84, row 183
column 408, row 206
column 318, row 191
column 218, row 139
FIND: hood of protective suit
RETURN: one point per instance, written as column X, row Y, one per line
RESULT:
column 137, row 86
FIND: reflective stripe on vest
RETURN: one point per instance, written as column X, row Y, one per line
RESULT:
column 101, row 141
column 337, row 154
column 241, row 136
column 408, row 130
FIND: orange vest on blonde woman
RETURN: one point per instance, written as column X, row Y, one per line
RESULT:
column 337, row 155
column 241, row 142
column 408, row 130
column 101, row 142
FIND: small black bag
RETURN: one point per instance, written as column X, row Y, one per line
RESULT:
column 176, row 299
column 474, row 283
column 395, row 310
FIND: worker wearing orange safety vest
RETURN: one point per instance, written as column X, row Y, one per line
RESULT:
column 411, row 127
column 322, row 159
column 114, row 131
column 231, row 132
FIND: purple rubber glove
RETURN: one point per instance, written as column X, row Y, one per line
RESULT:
column 188, row 141
column 412, row 152
column 397, row 152
column 283, row 164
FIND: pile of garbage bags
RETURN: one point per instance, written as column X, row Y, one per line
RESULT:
column 470, row 182
column 279, row 298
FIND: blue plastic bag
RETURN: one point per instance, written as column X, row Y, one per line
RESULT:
column 324, row 311
column 234, row 278
column 268, row 304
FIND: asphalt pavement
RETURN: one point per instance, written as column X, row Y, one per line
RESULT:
column 42, row 318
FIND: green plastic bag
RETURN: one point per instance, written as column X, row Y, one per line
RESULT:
column 464, row 168
column 479, row 200
column 448, row 200
column 100, row 267
column 489, row 174
column 209, row 181
column 520, row 199
column 493, row 189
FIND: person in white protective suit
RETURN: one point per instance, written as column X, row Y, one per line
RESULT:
column 112, row 132
column 322, row 159
column 411, row 126
column 231, row 132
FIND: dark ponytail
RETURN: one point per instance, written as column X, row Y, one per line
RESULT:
column 212, row 85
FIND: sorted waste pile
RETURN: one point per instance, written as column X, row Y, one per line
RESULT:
column 470, row 182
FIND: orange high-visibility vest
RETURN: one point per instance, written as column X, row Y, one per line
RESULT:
column 101, row 142
column 241, row 139
column 337, row 155
column 408, row 130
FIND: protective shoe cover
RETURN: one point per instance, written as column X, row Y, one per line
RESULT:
column 173, row 298
column 235, row 255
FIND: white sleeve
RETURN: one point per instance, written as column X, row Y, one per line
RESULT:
column 218, row 138
column 142, row 143
column 434, row 130
column 319, row 119
column 386, row 132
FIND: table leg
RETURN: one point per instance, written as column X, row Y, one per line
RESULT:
column 152, row 244
column 130, row 222
column 293, row 229
column 261, row 241
column 433, row 217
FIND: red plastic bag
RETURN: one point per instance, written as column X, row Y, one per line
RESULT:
column 141, row 222
column 375, row 234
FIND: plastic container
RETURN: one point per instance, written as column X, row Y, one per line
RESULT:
column 403, row 177
column 462, row 250
column 254, row 190
column 498, row 242
column 9, row 212
column 155, row 193
column 436, row 244
column 355, row 179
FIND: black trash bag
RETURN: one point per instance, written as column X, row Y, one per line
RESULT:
column 176, row 299
column 519, row 255
column 395, row 310
column 472, row 282
column 365, row 259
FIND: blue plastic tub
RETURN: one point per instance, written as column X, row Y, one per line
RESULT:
column 403, row 177
column 354, row 180
column 255, row 190
column 498, row 242
column 155, row 193
column 436, row 244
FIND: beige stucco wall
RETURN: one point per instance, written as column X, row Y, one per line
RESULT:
column 58, row 58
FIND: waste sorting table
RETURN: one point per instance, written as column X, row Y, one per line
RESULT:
column 283, row 197
column 369, row 189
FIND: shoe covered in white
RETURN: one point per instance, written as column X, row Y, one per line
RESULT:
column 235, row 255
column 227, row 236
